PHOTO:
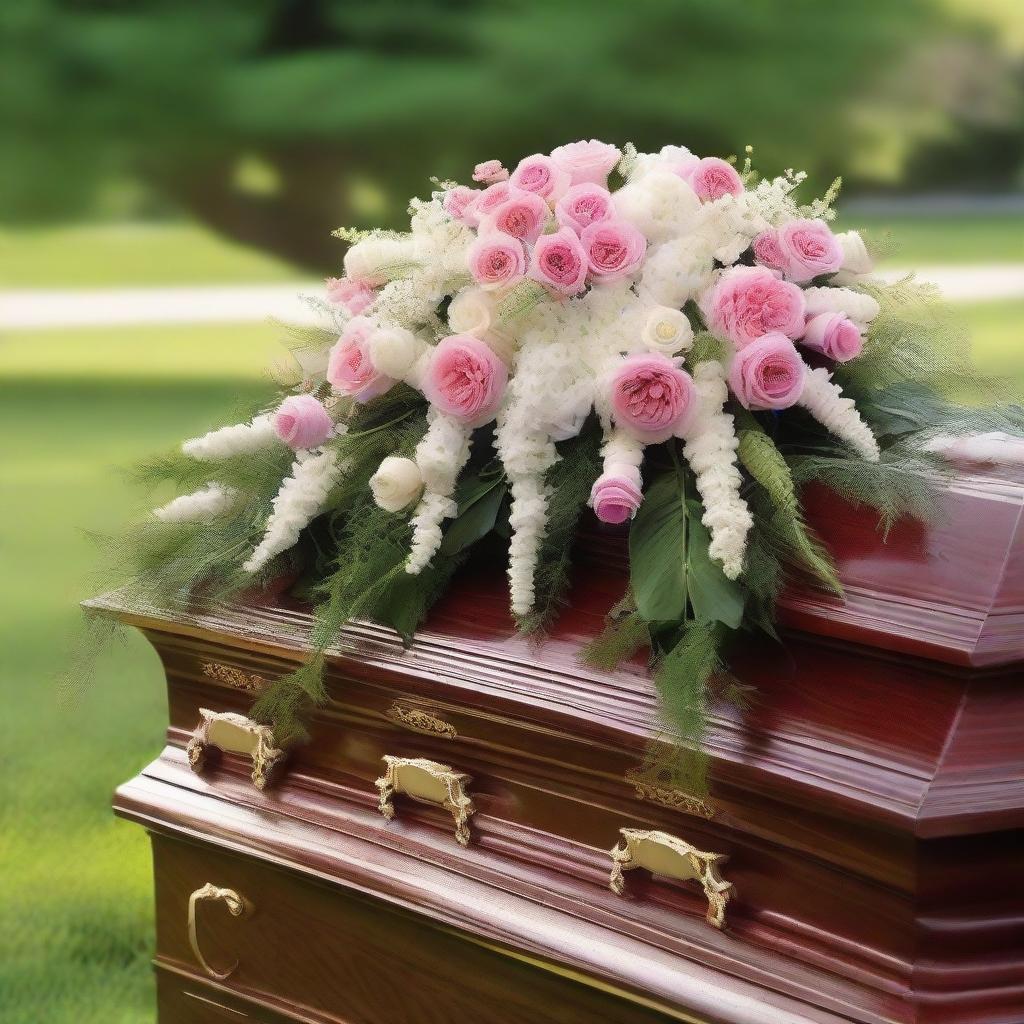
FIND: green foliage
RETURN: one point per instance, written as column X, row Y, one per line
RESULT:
column 479, row 497
column 672, row 574
column 682, row 678
column 657, row 551
column 902, row 483
column 765, row 463
column 568, row 482
column 624, row 634
column 347, row 108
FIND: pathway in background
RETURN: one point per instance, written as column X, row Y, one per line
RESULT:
column 40, row 309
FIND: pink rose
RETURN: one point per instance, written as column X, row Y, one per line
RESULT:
column 349, row 366
column 465, row 379
column 355, row 296
column 302, row 422
column 614, row 249
column 497, row 260
column 584, row 205
column 615, row 496
column 767, row 250
column 487, row 201
column 652, row 396
column 540, row 174
column 521, row 215
column 490, row 172
column 834, row 335
column 748, row 302
column 458, row 201
column 589, row 161
column 560, row 262
column 809, row 248
column 767, row 373
column 713, row 178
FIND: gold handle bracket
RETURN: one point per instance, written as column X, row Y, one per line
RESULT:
column 237, row 907
column 665, row 854
column 235, row 734
column 430, row 782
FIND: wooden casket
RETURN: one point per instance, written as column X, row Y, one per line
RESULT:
column 465, row 836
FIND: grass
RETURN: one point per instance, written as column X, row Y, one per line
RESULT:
column 102, row 256
column 75, row 890
column 920, row 241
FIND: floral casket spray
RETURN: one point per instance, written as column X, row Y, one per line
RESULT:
column 596, row 337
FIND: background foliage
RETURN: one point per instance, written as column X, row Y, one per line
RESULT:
column 274, row 120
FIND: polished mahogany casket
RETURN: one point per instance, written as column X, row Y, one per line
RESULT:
column 466, row 836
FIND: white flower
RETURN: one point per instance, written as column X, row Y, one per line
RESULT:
column 677, row 271
column 375, row 261
column 394, row 351
column 995, row 446
column 856, row 259
column 667, row 331
column 299, row 501
column 827, row 404
column 472, row 311
column 710, row 449
column 199, row 506
column 660, row 205
column 396, row 484
column 858, row 306
column 475, row 311
column 239, row 439
column 440, row 456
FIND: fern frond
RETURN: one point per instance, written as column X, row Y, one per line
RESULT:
column 765, row 463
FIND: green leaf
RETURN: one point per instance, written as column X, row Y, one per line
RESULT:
column 476, row 517
column 657, row 551
column 713, row 596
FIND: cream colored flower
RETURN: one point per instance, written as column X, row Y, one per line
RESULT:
column 472, row 311
column 856, row 258
column 396, row 484
column 668, row 331
column 394, row 351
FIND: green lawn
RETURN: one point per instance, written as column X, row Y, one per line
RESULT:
column 920, row 241
column 104, row 256
column 75, row 903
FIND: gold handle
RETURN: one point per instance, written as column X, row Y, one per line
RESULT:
column 430, row 782
column 235, row 734
column 237, row 906
column 664, row 854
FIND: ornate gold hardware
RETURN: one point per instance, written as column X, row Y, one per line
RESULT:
column 664, row 854
column 235, row 734
column 667, row 796
column 420, row 720
column 237, row 906
column 232, row 676
column 430, row 782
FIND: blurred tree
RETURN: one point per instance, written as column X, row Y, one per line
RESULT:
column 276, row 120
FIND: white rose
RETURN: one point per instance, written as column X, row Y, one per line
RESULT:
column 394, row 351
column 375, row 261
column 667, row 331
column 660, row 206
column 472, row 311
column 860, row 308
column 475, row 311
column 396, row 484
column 856, row 259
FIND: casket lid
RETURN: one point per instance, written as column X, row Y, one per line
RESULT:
column 952, row 591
